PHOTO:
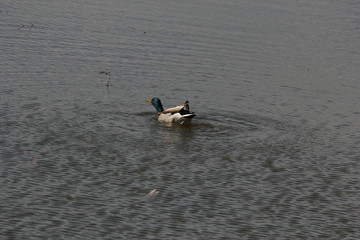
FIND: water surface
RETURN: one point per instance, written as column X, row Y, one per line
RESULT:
column 273, row 151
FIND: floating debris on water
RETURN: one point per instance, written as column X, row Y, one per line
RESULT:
column 106, row 82
column 23, row 26
column 153, row 192
column 29, row 150
column 105, row 73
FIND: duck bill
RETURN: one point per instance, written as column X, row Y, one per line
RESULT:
column 149, row 100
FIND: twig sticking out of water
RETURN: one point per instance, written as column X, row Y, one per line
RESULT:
column 107, row 81
column 31, row 26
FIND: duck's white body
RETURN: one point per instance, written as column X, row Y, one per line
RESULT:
column 176, row 117
column 179, row 114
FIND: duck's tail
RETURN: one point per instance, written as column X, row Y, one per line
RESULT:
column 188, row 115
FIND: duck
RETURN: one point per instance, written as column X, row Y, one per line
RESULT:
column 180, row 114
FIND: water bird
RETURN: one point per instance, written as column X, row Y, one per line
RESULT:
column 179, row 114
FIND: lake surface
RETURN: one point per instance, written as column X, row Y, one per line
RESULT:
column 272, row 154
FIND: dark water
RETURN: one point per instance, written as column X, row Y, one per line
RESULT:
column 272, row 154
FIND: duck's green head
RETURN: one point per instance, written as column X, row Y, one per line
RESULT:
column 156, row 103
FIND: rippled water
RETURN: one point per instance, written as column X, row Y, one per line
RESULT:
column 272, row 154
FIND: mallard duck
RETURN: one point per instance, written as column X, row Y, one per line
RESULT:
column 179, row 114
